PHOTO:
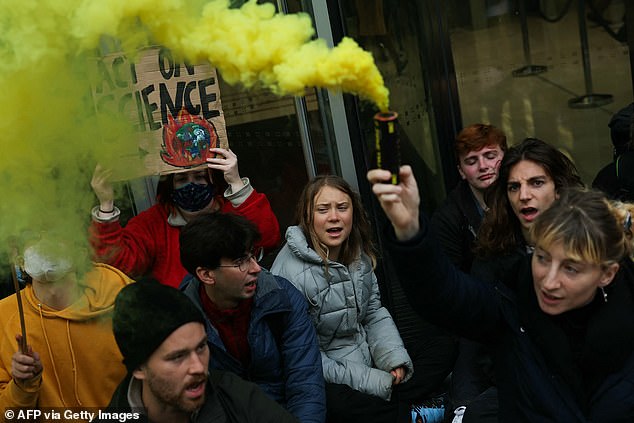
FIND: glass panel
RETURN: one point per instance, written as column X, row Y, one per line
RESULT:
column 488, row 46
column 391, row 31
column 264, row 131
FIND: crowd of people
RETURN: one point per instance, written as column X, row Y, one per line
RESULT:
column 527, row 273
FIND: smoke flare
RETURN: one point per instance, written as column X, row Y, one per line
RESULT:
column 52, row 138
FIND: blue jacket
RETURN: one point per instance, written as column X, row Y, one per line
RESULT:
column 294, row 377
column 531, row 387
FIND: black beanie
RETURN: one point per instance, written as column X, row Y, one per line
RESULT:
column 145, row 313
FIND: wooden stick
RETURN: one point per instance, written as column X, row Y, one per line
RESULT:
column 18, row 294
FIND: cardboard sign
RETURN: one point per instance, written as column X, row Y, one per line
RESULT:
column 175, row 107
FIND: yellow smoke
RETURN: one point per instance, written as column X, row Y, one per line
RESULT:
column 49, row 133
column 249, row 45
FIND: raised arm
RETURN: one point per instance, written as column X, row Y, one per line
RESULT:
column 103, row 189
column 434, row 286
column 226, row 162
column 244, row 200
column 132, row 249
column 400, row 202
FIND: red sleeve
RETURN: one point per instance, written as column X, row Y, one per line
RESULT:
column 257, row 209
column 132, row 248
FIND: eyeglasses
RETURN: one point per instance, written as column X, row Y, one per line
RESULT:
column 243, row 262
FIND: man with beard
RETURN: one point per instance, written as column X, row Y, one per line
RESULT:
column 161, row 335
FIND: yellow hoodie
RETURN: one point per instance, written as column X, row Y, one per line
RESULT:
column 81, row 361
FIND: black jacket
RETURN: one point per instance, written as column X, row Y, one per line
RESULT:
column 616, row 179
column 229, row 399
column 455, row 225
column 502, row 268
column 537, row 379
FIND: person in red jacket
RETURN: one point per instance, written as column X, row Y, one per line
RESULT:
column 149, row 244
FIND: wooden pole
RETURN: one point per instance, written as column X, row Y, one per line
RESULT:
column 18, row 294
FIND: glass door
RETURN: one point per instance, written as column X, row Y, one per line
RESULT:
column 402, row 38
column 552, row 69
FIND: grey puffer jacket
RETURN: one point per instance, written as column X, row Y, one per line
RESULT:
column 358, row 339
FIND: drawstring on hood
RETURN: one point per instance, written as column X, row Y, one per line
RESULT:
column 50, row 353
column 96, row 301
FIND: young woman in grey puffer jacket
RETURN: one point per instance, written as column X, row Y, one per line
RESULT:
column 329, row 257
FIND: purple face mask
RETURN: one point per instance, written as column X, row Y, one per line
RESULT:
column 193, row 197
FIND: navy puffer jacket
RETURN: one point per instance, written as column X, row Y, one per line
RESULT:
column 290, row 372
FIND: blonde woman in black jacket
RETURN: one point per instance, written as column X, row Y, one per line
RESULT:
column 563, row 334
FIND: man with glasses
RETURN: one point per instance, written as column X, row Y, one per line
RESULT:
column 257, row 324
